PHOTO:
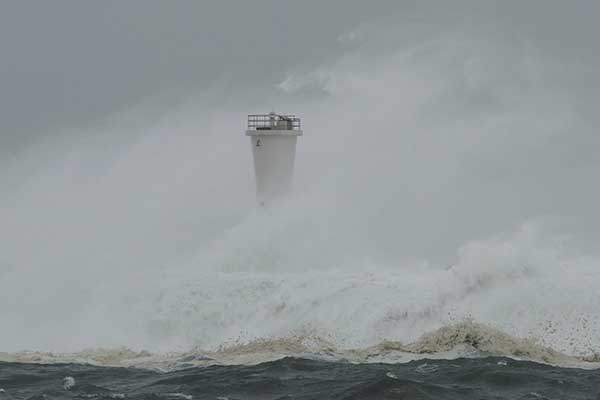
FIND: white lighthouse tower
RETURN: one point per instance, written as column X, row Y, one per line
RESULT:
column 273, row 138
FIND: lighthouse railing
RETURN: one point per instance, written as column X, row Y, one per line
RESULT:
column 273, row 122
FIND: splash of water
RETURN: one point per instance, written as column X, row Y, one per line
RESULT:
column 417, row 156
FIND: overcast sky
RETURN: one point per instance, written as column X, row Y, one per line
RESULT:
column 68, row 63
column 71, row 63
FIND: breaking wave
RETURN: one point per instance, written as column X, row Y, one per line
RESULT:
column 464, row 339
column 499, row 299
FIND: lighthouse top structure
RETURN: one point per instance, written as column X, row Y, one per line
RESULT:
column 273, row 138
column 273, row 124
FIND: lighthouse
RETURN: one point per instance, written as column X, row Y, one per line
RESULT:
column 273, row 138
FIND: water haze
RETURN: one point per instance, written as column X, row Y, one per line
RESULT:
column 446, row 173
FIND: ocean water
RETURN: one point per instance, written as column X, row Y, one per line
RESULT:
column 454, row 362
column 296, row 378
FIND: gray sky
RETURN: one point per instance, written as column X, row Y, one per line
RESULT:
column 71, row 63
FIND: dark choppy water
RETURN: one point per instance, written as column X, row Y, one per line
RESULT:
column 292, row 378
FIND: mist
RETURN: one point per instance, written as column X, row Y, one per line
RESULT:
column 446, row 171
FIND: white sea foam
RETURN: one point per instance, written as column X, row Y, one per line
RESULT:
column 179, row 396
column 507, row 283
column 464, row 339
column 68, row 382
